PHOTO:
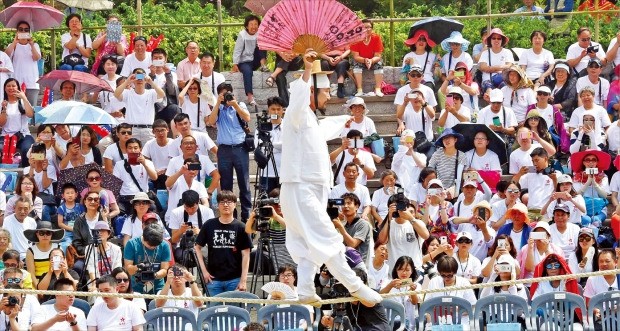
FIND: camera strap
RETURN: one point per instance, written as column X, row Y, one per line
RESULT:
column 338, row 168
column 186, row 217
column 198, row 158
column 133, row 177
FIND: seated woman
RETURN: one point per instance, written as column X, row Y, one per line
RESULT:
column 407, row 162
column 591, row 181
column 566, row 194
column 192, row 104
column 563, row 89
column 454, row 111
column 421, row 46
column 433, row 250
column 436, row 209
column 88, row 145
column 25, row 54
column 57, row 269
column 73, row 157
column 449, row 158
column 552, row 116
column 536, row 249
column 77, row 43
column 534, row 122
column 585, row 257
column 107, row 48
column 247, row 57
column 53, row 151
column 553, row 265
column 25, row 187
column 461, row 77
column 133, row 225
column 589, row 136
column 108, row 200
column 367, row 55
column 106, row 257
column 518, row 93
column 503, row 248
column 504, row 269
column 378, row 270
column 416, row 192
column 469, row 265
column 500, row 207
column 404, row 278
column 14, row 116
column 359, row 121
column 481, row 158
column 44, row 238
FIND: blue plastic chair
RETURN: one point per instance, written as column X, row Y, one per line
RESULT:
column 284, row 317
column 151, row 305
column 443, row 307
column 607, row 303
column 170, row 318
column 500, row 309
column 395, row 312
column 239, row 295
column 222, row 318
column 556, row 311
column 80, row 304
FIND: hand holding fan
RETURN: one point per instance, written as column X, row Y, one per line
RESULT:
column 296, row 25
column 284, row 289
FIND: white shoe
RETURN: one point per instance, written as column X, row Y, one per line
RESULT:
column 379, row 93
column 367, row 296
column 370, row 94
column 359, row 93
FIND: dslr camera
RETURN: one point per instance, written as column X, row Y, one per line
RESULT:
column 592, row 49
column 146, row 271
column 228, row 96
column 13, row 301
column 401, row 201
column 265, row 212
column 263, row 122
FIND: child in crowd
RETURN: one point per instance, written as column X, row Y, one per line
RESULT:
column 68, row 211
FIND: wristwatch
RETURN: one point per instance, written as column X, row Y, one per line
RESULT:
column 362, row 166
column 74, row 323
column 192, row 282
column 424, row 105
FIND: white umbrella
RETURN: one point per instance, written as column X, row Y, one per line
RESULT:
column 92, row 5
column 75, row 113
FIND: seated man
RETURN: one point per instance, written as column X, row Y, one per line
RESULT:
column 175, row 286
column 147, row 259
column 19, row 316
column 356, row 232
column 350, row 151
column 367, row 56
column 454, row 112
column 11, row 259
column 19, row 222
column 350, row 185
column 114, row 312
column 61, row 315
column 135, row 172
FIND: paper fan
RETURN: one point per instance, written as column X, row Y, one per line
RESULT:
column 279, row 287
column 296, row 25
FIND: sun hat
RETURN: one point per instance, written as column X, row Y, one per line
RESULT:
column 576, row 160
column 496, row 95
column 140, row 196
column 420, row 33
column 31, row 234
column 357, row 101
column 543, row 88
column 102, row 225
column 448, row 132
column 455, row 37
column 497, row 31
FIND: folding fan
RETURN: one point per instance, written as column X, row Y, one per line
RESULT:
column 286, row 290
column 296, row 25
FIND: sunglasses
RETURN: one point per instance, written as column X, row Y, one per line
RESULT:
column 94, row 179
column 125, row 133
column 10, row 265
column 143, row 202
column 585, row 238
column 590, row 160
column 15, row 280
column 415, row 75
column 553, row 265
column 122, row 280
column 44, row 233
column 497, row 38
column 512, row 190
column 542, row 94
column 463, row 241
column 23, row 29
column 92, row 199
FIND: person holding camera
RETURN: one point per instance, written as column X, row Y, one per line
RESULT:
column 231, row 118
column 186, row 221
column 588, row 137
column 228, row 259
column 594, row 80
column 58, row 269
column 139, row 102
column 350, row 185
column 505, row 269
column 276, row 228
column 588, row 106
column 147, row 259
column 275, row 108
column 592, row 183
column 407, row 163
column 474, row 221
column 356, row 232
column 351, row 150
column 540, row 180
column 135, row 172
column 415, row 104
column 61, row 315
column 175, row 286
column 190, row 177
column 114, row 311
column 580, row 53
column 17, row 311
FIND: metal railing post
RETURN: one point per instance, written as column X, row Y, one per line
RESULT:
column 220, row 48
column 392, row 33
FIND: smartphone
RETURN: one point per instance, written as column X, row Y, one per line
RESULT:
column 56, row 262
column 38, row 156
column 501, row 243
column 132, row 158
column 413, row 96
column 406, row 282
column 459, row 74
column 496, row 121
column 273, row 116
column 450, row 101
column 584, row 260
column 356, row 143
column 76, row 140
column 591, row 171
column 158, row 63
column 538, row 235
column 482, row 213
column 434, row 191
column 45, row 136
column 443, row 240
column 531, row 169
column 194, row 166
column 140, row 76
column 504, row 268
column 470, row 175
column 525, row 135
column 23, row 35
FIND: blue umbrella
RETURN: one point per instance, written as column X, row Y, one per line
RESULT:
column 438, row 28
column 75, row 113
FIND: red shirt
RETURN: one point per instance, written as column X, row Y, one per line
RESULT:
column 368, row 51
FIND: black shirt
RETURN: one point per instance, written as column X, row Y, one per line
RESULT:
column 225, row 243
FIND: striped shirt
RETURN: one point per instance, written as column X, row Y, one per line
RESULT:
column 446, row 166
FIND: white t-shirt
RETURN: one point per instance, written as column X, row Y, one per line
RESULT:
column 157, row 154
column 413, row 119
column 601, row 119
column 108, row 101
column 47, row 312
column 616, row 59
column 26, row 315
column 451, row 120
column 568, row 240
column 378, row 278
column 602, row 85
column 503, row 57
column 428, row 93
column 488, row 161
column 363, row 156
column 197, row 120
column 360, row 191
column 597, row 285
column 15, row 121
column 520, row 158
column 129, row 187
column 425, row 61
column 403, row 240
column 204, row 144
column 469, row 268
column 518, row 100
column 451, row 64
column 536, row 64
column 416, row 192
column 614, row 185
column 367, row 127
column 123, row 318
column 437, row 282
column 65, row 38
column 138, row 302
column 177, row 217
column 575, row 214
column 18, row 240
column 405, row 167
column 131, row 63
column 25, row 69
column 187, row 304
column 479, row 247
column 613, row 136
column 485, row 116
column 574, row 51
column 547, row 115
column 380, row 201
column 499, row 209
column 540, row 187
column 176, row 163
column 140, row 108
column 177, row 189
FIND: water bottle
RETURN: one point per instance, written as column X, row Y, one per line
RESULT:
column 17, row 158
column 474, row 116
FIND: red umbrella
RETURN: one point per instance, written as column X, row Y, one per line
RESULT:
column 84, row 82
column 38, row 15
column 260, row 7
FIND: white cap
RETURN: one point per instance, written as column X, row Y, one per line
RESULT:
column 464, row 234
column 543, row 225
column 543, row 88
column 407, row 133
column 322, row 80
column 470, row 183
column 496, row 95
column 435, row 181
column 564, row 179
column 455, row 90
column 562, row 66
column 357, row 101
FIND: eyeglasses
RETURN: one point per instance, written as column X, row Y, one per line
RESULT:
column 23, row 29
column 446, row 276
column 515, row 190
column 122, row 280
column 188, row 143
column 27, row 184
column 553, row 265
column 92, row 199
column 542, row 94
column 125, row 133
column 227, row 202
column 585, row 238
column 415, row 75
column 94, row 179
column 463, row 241
column 15, row 280
column 44, row 233
column 288, row 275
column 159, row 130
column 480, row 138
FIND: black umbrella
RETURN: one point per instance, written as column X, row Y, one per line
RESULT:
column 438, row 28
column 469, row 130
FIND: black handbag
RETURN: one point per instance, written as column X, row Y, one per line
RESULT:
column 422, row 145
column 248, row 142
column 74, row 59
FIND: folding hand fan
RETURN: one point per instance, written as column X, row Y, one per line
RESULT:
column 286, row 290
column 296, row 25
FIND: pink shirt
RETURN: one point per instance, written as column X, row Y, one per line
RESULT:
column 186, row 69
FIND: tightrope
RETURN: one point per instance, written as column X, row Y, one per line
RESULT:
column 327, row 301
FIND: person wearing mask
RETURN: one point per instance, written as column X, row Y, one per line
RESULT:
column 166, row 79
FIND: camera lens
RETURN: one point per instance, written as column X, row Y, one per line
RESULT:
column 228, row 97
